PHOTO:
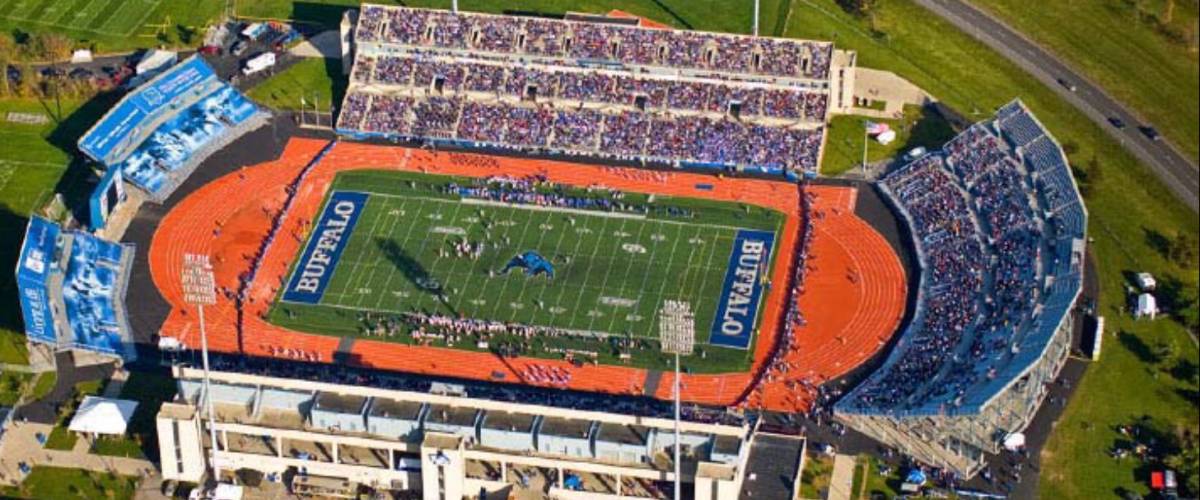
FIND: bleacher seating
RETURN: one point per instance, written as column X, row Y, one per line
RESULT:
column 628, row 45
column 80, row 303
column 999, row 226
column 486, row 81
column 163, row 129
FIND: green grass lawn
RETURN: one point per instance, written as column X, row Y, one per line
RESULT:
column 112, row 25
column 1130, row 212
column 611, row 273
column 866, row 468
column 60, row 438
column 42, row 385
column 318, row 81
column 920, row 127
column 59, row 483
column 711, row 15
column 1136, row 58
column 12, row 386
column 814, row 480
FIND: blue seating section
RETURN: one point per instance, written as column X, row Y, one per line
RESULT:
column 175, row 142
column 996, row 283
column 1021, row 128
column 90, row 292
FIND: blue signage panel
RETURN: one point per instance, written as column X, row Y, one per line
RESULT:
column 110, row 139
column 104, row 198
column 749, row 263
column 325, row 245
column 33, row 271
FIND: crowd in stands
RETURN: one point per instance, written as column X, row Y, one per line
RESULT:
column 986, row 256
column 724, row 106
column 626, row 135
column 592, row 86
column 629, row 45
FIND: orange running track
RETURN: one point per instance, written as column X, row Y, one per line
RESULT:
column 854, row 301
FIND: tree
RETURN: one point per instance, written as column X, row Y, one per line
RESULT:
column 1183, row 249
column 52, row 46
column 860, row 8
column 8, row 54
column 1186, row 462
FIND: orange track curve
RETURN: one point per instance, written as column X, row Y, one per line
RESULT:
column 854, row 300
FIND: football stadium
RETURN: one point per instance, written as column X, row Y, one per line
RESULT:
column 522, row 238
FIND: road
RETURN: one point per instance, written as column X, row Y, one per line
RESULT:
column 1167, row 163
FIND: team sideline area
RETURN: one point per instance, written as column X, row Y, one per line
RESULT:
column 847, row 263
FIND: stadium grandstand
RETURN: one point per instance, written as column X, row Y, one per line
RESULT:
column 999, row 229
column 72, row 289
column 158, row 133
column 591, row 89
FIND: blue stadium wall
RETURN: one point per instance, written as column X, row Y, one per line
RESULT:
column 39, row 257
column 105, row 197
column 109, row 141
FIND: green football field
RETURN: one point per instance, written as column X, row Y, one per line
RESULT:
column 105, row 17
column 612, row 270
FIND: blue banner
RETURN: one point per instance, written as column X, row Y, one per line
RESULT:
column 37, row 260
column 325, row 245
column 105, row 198
column 749, row 264
column 113, row 137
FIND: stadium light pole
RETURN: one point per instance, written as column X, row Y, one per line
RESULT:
column 199, row 290
column 677, row 330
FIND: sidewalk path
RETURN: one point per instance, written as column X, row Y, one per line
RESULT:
column 20, row 445
column 842, row 478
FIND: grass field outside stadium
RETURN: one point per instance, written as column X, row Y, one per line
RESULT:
column 612, row 270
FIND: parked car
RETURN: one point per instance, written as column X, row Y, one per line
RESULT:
column 239, row 48
column 53, row 72
column 81, row 73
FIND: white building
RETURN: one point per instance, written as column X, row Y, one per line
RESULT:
column 315, row 434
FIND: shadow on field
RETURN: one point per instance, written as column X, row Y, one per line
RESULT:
column 77, row 182
column 413, row 271
column 11, row 224
column 1138, row 347
column 324, row 15
column 930, row 131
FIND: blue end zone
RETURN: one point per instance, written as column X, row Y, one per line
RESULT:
column 330, row 237
column 748, row 265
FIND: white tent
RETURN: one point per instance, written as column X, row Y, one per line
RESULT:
column 103, row 416
column 155, row 60
column 1014, row 441
column 81, row 56
column 1147, row 307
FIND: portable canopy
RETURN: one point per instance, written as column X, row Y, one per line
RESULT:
column 98, row 415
